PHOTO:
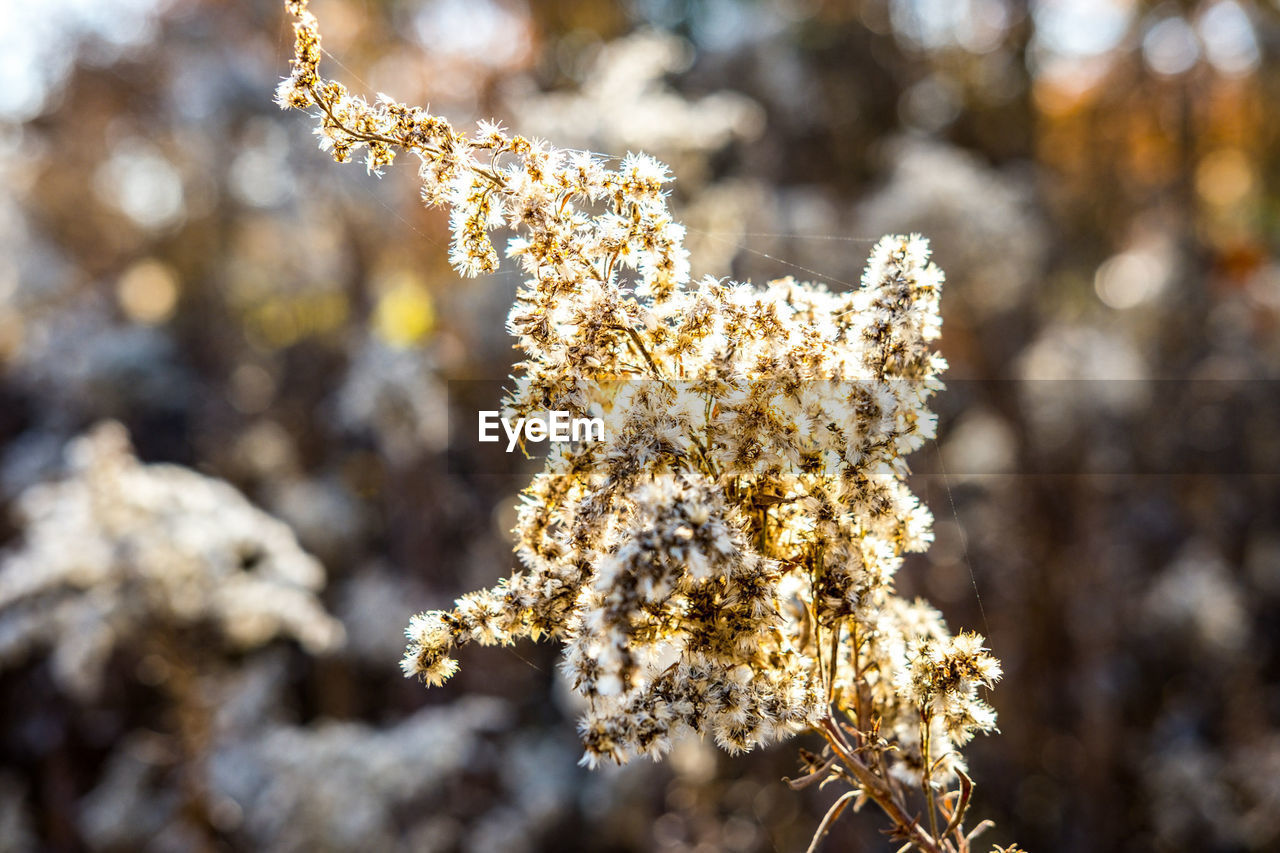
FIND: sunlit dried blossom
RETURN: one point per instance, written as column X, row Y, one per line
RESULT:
column 723, row 561
column 119, row 548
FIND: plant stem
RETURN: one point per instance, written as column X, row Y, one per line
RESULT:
column 877, row 791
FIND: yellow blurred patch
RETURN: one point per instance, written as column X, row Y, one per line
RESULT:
column 405, row 313
column 1225, row 177
column 283, row 321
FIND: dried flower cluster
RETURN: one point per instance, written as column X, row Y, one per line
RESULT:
column 723, row 562
column 120, row 548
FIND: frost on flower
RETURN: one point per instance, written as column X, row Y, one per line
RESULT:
column 119, row 548
column 723, row 561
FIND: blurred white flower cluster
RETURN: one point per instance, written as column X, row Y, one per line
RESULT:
column 340, row 785
column 622, row 101
column 262, row 782
column 393, row 393
column 120, row 548
column 940, row 190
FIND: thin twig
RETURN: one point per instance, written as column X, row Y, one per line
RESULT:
column 492, row 176
column 877, row 790
column 809, row 778
column 635, row 337
column 830, row 818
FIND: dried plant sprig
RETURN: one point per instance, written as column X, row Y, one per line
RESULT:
column 723, row 561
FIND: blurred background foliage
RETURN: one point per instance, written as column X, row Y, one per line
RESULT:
column 1101, row 180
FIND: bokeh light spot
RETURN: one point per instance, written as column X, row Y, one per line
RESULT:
column 148, row 292
column 1170, row 47
column 1131, row 278
column 1225, row 177
column 1230, row 43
